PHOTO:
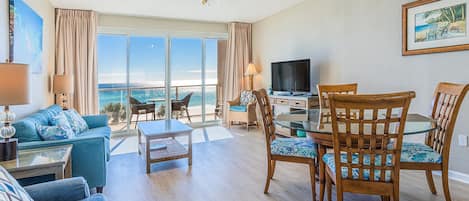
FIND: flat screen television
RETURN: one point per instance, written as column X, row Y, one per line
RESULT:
column 291, row 76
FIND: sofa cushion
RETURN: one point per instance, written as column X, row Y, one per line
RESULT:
column 238, row 108
column 100, row 131
column 77, row 122
column 26, row 130
column 10, row 190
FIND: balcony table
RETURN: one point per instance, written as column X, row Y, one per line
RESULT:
column 321, row 133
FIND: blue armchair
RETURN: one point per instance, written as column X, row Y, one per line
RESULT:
column 73, row 189
column 89, row 147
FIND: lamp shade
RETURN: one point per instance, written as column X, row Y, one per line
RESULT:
column 63, row 84
column 251, row 69
column 14, row 84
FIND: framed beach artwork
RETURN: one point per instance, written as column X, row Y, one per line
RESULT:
column 25, row 35
column 433, row 26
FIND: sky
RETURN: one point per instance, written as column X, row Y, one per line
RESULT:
column 147, row 60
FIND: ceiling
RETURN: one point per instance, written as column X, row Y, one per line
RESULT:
column 215, row 11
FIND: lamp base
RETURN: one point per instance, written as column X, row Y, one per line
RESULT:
column 8, row 149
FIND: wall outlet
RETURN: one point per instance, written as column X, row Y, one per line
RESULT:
column 462, row 140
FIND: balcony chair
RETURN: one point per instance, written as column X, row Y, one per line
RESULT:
column 138, row 108
column 181, row 106
column 243, row 109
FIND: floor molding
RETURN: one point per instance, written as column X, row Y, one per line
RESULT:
column 455, row 175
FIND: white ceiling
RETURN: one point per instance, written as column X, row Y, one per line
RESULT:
column 215, row 11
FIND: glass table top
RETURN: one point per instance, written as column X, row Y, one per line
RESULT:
column 309, row 121
column 41, row 157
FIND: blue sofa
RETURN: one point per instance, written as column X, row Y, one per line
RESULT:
column 90, row 151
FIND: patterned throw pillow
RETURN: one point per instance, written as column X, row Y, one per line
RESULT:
column 77, row 122
column 10, row 190
column 247, row 97
column 59, row 130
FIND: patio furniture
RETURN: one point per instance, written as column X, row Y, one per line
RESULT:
column 243, row 109
column 182, row 106
column 138, row 108
column 294, row 150
column 367, row 149
column 434, row 154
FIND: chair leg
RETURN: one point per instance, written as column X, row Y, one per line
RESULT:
column 430, row 182
column 385, row 198
column 329, row 188
column 339, row 192
column 247, row 126
column 312, row 174
column 273, row 169
column 188, row 116
column 444, row 177
column 136, row 122
column 269, row 172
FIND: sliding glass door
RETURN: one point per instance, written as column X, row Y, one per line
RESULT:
column 140, row 75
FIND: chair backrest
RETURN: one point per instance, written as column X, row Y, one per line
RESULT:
column 446, row 104
column 187, row 99
column 324, row 91
column 134, row 101
column 372, row 141
column 267, row 116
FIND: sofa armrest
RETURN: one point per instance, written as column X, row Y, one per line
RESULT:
column 88, row 156
column 72, row 189
column 95, row 121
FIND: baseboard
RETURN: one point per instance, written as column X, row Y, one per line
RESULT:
column 456, row 176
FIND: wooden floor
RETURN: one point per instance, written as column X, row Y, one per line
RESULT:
column 234, row 169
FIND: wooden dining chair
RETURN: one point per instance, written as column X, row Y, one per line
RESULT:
column 434, row 154
column 295, row 150
column 367, row 149
column 325, row 90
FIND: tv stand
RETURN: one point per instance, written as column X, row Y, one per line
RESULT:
column 282, row 104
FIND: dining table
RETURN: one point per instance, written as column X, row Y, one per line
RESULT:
column 312, row 122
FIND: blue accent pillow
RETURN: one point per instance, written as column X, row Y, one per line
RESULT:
column 77, row 122
column 10, row 190
column 59, row 130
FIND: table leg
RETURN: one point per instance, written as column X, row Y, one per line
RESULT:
column 190, row 149
column 322, row 172
column 147, row 155
column 68, row 168
column 59, row 173
column 139, row 140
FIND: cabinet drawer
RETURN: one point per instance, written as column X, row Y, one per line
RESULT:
column 297, row 103
column 281, row 101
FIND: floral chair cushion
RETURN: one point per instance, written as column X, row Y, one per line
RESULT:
column 419, row 153
column 330, row 162
column 298, row 147
column 10, row 190
column 247, row 97
column 77, row 122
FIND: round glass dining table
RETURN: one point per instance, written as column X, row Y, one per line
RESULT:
column 321, row 133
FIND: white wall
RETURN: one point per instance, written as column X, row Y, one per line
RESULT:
column 150, row 26
column 40, row 95
column 360, row 41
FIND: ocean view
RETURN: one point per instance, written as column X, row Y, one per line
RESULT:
column 117, row 93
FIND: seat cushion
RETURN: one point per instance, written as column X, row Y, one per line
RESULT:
column 299, row 147
column 238, row 108
column 10, row 190
column 419, row 153
column 329, row 160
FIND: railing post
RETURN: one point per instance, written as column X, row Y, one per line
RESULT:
column 177, row 93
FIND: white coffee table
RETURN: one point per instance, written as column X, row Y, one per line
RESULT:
column 159, row 142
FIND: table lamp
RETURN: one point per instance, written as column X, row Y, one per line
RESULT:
column 14, row 90
column 251, row 72
column 63, row 85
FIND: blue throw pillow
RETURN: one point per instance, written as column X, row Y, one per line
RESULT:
column 10, row 190
column 77, row 122
column 59, row 130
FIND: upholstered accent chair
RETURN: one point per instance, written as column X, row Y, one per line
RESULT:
column 293, row 150
column 367, row 148
column 243, row 109
column 434, row 154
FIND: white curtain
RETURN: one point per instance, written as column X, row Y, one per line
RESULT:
column 238, row 56
column 76, row 55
